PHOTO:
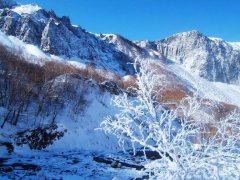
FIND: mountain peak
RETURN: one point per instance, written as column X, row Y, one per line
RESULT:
column 193, row 33
column 26, row 9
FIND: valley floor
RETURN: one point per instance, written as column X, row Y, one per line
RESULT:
column 61, row 165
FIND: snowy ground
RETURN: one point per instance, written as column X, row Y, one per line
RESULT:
column 71, row 157
column 60, row 165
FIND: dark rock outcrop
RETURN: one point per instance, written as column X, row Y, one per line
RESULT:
column 39, row 138
column 116, row 163
column 111, row 86
column 8, row 145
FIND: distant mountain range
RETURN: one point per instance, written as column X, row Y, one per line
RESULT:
column 211, row 58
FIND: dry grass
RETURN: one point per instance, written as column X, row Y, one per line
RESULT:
column 172, row 94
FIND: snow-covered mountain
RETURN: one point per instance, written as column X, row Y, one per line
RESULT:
column 211, row 58
column 128, row 47
column 57, row 36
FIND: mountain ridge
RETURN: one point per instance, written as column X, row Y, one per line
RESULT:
column 55, row 35
column 213, row 59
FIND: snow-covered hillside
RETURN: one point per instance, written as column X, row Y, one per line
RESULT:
column 217, row 91
column 211, row 58
column 80, row 120
column 235, row 45
column 82, row 133
column 28, row 51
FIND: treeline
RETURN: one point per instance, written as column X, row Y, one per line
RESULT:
column 23, row 82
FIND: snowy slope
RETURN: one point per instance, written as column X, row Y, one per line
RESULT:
column 235, row 45
column 188, row 60
column 124, row 45
column 29, row 52
column 218, row 91
column 80, row 125
column 130, row 48
column 81, row 131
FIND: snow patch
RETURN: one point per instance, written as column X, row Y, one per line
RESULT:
column 77, row 64
column 31, row 49
column 5, row 41
column 235, row 45
column 215, row 39
column 26, row 9
column 127, row 77
column 30, row 52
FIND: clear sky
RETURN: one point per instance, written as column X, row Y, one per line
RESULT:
column 151, row 19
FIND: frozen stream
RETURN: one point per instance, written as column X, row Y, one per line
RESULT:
column 61, row 165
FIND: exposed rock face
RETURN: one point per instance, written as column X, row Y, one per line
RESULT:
column 211, row 58
column 111, row 86
column 57, row 36
column 124, row 45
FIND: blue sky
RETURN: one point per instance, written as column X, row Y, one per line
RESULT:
column 151, row 19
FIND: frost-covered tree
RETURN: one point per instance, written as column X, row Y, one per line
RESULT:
column 190, row 145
